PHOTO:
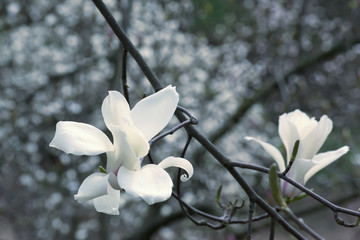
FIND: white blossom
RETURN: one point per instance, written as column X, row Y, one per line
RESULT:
column 131, row 131
column 311, row 134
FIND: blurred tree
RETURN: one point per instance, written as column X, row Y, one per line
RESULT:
column 237, row 66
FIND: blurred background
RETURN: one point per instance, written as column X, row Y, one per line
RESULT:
column 237, row 66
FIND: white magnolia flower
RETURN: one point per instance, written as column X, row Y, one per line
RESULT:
column 131, row 131
column 311, row 134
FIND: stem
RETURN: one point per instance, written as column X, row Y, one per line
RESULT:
column 315, row 196
column 251, row 212
column 186, row 146
column 293, row 156
column 169, row 132
column 272, row 229
column 302, row 224
column 184, row 110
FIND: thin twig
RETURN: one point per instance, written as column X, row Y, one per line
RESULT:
column 251, row 212
column 169, row 132
column 312, row 194
column 272, row 229
column 201, row 222
column 342, row 222
column 186, row 146
column 302, row 225
column 184, row 110
column 193, row 210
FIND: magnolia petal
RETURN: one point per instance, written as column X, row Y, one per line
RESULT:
column 306, row 128
column 108, row 203
column 116, row 113
column 153, row 113
column 123, row 154
column 80, row 139
column 92, row 187
column 273, row 151
column 288, row 133
column 322, row 160
column 136, row 139
column 299, row 119
column 113, row 181
column 152, row 183
column 297, row 173
column 316, row 138
column 178, row 162
column 289, row 190
column 115, row 109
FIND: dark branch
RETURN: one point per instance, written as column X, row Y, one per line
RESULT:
column 209, row 146
column 123, row 77
column 312, row 194
column 251, row 212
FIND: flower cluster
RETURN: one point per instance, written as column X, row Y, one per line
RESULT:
column 131, row 131
column 310, row 134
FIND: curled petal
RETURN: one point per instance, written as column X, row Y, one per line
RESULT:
column 322, row 160
column 152, row 183
column 316, row 138
column 113, row 182
column 273, row 151
column 153, row 113
column 108, row 203
column 92, row 187
column 115, row 109
column 80, row 139
column 178, row 162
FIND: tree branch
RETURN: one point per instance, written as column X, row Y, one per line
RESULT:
column 210, row 147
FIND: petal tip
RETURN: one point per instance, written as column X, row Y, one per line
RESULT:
column 181, row 163
column 78, row 198
column 247, row 138
column 346, row 149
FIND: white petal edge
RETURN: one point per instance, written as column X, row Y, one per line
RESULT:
column 115, row 109
column 80, row 139
column 316, row 138
column 288, row 134
column 95, row 185
column 297, row 172
column 136, row 139
column 108, row 203
column 178, row 162
column 300, row 119
column 153, row 113
column 322, row 160
column 273, row 151
column 152, row 183
column 123, row 154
